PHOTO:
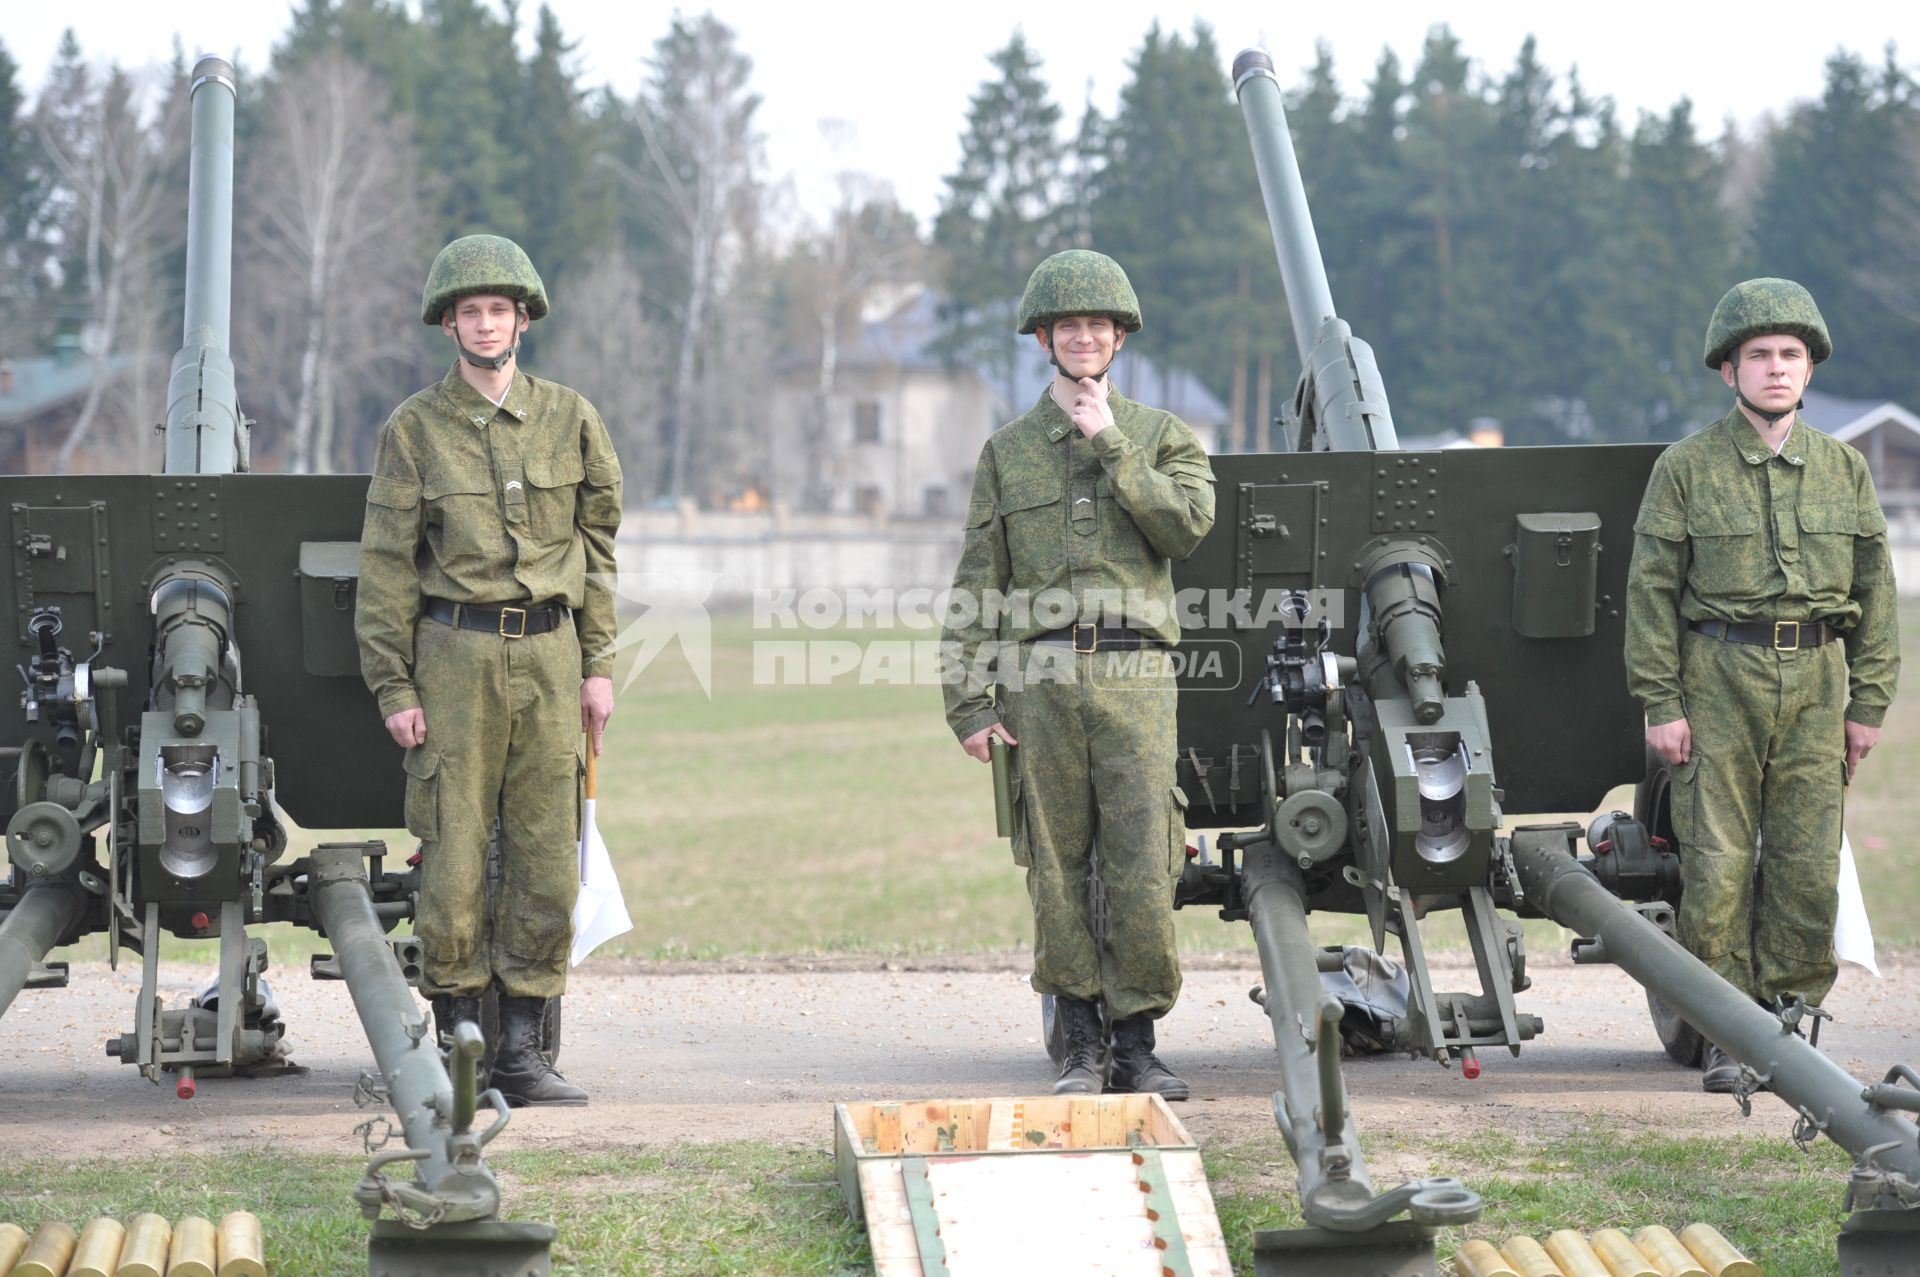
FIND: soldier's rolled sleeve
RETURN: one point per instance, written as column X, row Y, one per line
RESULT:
column 1661, row 556
column 597, row 515
column 389, row 591
column 967, row 640
column 1169, row 496
column 1873, row 645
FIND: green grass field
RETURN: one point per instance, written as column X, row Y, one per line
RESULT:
column 715, row 1210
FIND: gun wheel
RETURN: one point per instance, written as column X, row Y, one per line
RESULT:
column 1652, row 808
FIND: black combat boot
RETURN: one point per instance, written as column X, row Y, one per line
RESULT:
column 520, row 1073
column 1083, row 1068
column 449, row 1010
column 1720, row 1073
column 1135, row 1067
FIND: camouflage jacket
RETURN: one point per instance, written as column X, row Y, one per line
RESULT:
column 1729, row 531
column 478, row 504
column 1064, row 529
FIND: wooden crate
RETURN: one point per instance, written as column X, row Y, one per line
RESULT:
column 1057, row 1184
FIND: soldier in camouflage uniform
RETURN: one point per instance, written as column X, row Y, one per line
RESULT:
column 486, row 617
column 1762, row 639
column 1064, row 585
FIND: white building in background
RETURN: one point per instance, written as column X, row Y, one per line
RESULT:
column 899, row 428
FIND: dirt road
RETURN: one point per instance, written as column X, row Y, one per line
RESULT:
column 761, row 1051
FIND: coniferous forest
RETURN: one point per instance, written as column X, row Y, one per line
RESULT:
column 1511, row 246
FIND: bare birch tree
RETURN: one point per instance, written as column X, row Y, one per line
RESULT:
column 702, row 158
column 602, row 343
column 113, row 153
column 330, row 234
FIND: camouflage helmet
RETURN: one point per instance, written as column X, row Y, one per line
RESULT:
column 1078, row 282
column 481, row 264
column 1761, row 306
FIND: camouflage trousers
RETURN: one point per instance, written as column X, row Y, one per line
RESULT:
column 503, row 740
column 1768, row 764
column 1095, row 765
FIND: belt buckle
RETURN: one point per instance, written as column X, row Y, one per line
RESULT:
column 513, row 611
column 1778, row 646
column 1093, row 639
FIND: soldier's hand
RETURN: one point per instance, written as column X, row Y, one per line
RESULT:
column 1860, row 742
column 596, row 707
column 1090, row 412
column 976, row 744
column 1672, row 742
column 408, row 728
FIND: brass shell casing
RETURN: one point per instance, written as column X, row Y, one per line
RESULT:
column 1481, row 1259
column 145, row 1254
column 1716, row 1254
column 98, row 1254
column 48, row 1254
column 242, row 1252
column 1575, row 1257
column 1530, row 1258
column 1668, row 1255
column 195, row 1250
column 13, row 1241
column 1622, row 1257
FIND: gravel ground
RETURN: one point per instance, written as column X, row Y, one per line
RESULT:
column 762, row 1050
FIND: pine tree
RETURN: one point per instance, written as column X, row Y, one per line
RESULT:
column 998, row 217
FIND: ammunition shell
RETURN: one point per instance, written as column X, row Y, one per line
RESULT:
column 1716, row 1254
column 98, row 1253
column 242, row 1253
column 195, row 1250
column 13, row 1240
column 1622, row 1257
column 1575, row 1257
column 145, row 1251
column 48, row 1254
column 1530, row 1258
column 1669, row 1257
column 1481, row 1259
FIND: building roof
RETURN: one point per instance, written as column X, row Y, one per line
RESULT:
column 908, row 335
column 44, row 381
column 1848, row 419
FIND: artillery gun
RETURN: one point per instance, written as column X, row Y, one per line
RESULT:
column 149, row 761
column 1425, row 642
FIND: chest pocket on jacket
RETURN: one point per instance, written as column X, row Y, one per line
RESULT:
column 1729, row 554
column 462, row 512
column 1827, row 543
column 552, row 481
column 1035, row 523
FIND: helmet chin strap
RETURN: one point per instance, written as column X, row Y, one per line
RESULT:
column 1054, row 359
column 1771, row 418
column 496, row 363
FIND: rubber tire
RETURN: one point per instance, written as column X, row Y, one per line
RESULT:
column 1682, row 1042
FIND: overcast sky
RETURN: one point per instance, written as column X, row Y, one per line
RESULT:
column 901, row 74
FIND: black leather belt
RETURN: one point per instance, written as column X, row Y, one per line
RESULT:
column 1097, row 638
column 508, row 622
column 1781, row 636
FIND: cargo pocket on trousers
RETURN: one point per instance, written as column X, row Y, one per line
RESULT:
column 423, row 794
column 1022, row 848
column 1683, row 800
column 1177, row 832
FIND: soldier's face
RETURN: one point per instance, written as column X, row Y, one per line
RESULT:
column 485, row 323
column 1772, row 371
column 1083, row 344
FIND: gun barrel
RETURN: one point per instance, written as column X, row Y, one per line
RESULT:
column 29, row 932
column 1563, row 889
column 1309, row 297
column 203, row 410
column 209, row 302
